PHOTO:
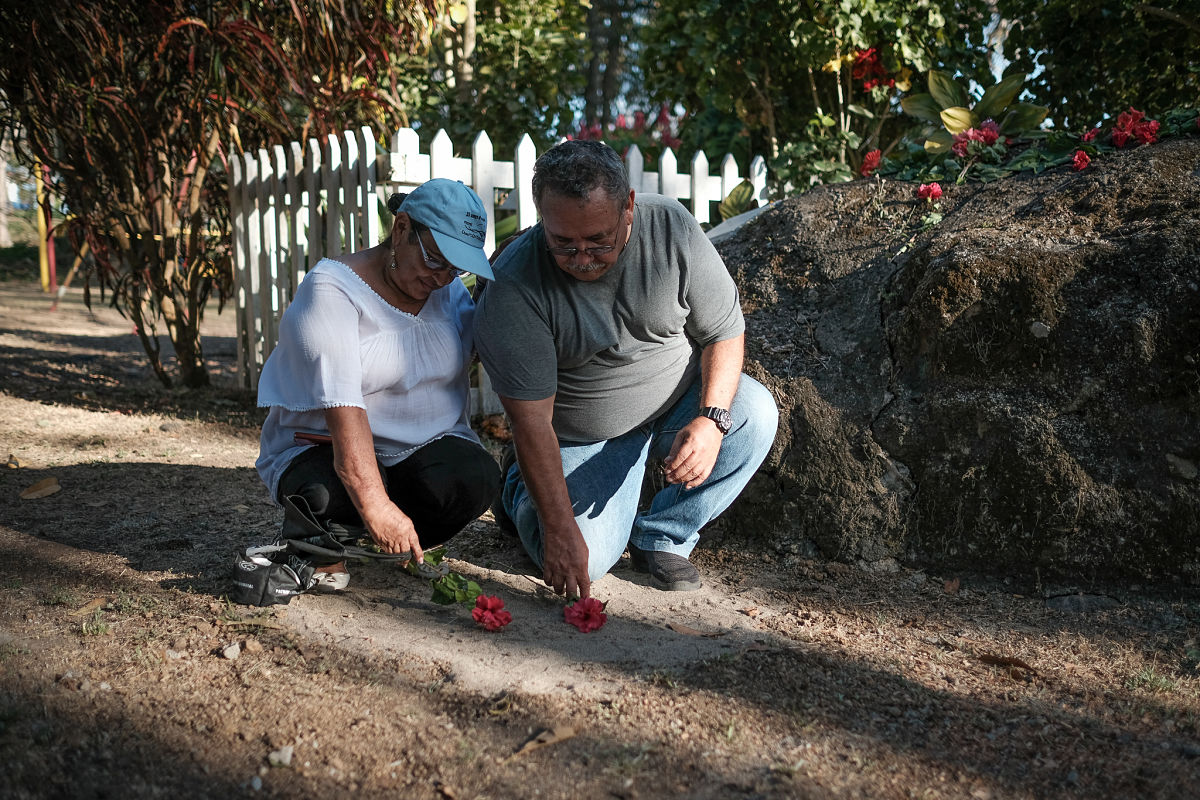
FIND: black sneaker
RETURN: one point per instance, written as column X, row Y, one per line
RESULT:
column 670, row 572
column 507, row 459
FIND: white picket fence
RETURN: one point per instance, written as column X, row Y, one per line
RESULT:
column 291, row 206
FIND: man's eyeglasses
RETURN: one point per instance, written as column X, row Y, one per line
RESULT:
column 592, row 252
column 436, row 264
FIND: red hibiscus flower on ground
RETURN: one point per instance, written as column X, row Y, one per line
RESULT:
column 930, row 191
column 1081, row 160
column 489, row 612
column 1132, row 124
column 587, row 614
column 870, row 163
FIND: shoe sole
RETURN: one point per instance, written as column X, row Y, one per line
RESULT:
column 332, row 581
column 676, row 586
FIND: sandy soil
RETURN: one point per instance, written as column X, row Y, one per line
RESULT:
column 124, row 671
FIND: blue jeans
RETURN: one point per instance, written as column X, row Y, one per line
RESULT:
column 604, row 481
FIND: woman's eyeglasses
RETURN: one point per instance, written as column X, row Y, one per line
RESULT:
column 437, row 264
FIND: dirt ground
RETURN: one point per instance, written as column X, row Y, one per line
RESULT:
column 125, row 673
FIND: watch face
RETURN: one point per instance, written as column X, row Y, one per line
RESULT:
column 720, row 416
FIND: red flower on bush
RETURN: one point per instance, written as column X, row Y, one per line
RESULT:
column 1091, row 135
column 930, row 191
column 587, row 614
column 987, row 134
column 869, row 69
column 1081, row 160
column 489, row 612
column 870, row 163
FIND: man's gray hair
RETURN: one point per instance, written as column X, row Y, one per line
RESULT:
column 576, row 168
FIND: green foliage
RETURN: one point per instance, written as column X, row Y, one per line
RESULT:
column 521, row 77
column 815, row 84
column 450, row 588
column 1088, row 58
column 739, row 201
column 454, row 588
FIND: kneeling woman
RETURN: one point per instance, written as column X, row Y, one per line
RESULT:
column 372, row 359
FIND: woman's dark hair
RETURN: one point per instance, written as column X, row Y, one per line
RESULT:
column 579, row 167
column 393, row 205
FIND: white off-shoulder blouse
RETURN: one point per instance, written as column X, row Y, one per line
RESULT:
column 341, row 344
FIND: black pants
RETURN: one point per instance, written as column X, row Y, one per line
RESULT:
column 442, row 487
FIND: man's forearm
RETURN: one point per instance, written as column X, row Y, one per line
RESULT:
column 720, row 371
column 540, row 460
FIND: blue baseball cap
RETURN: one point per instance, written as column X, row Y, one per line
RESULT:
column 456, row 217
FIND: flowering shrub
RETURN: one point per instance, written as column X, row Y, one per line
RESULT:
column 1081, row 160
column 870, row 163
column 489, row 613
column 975, row 141
column 587, row 614
column 930, row 191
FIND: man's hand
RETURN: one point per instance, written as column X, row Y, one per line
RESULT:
column 565, row 568
column 693, row 453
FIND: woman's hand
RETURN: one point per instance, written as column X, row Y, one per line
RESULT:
column 393, row 531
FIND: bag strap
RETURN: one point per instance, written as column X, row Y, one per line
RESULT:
column 304, row 535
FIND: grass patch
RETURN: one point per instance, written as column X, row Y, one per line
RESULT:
column 1149, row 679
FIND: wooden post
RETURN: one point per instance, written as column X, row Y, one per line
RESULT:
column 45, row 229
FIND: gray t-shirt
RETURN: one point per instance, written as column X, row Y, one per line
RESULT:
column 616, row 352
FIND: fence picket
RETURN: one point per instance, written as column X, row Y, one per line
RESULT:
column 332, row 192
column 322, row 199
column 368, row 196
column 523, row 177
column 297, row 230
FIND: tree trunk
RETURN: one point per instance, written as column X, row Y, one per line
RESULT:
column 594, row 92
column 464, row 68
column 5, row 208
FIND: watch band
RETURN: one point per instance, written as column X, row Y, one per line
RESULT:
column 721, row 416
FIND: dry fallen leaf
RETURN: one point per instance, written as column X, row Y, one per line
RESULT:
column 952, row 585
column 547, row 737
column 43, row 488
column 684, row 629
column 750, row 612
column 90, row 606
column 1006, row 661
